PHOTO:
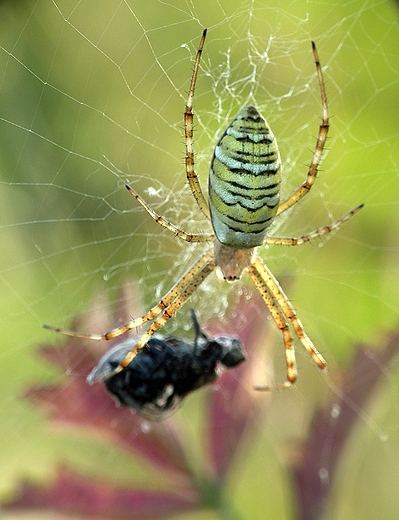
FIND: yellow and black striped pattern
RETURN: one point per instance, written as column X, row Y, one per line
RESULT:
column 244, row 181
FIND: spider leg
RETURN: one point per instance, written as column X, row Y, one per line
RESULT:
column 266, row 283
column 171, row 310
column 188, row 237
column 285, row 241
column 170, row 296
column 188, row 134
column 321, row 140
column 282, row 325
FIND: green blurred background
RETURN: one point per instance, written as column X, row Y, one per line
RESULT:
column 91, row 98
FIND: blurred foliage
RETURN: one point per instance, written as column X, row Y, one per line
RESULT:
column 93, row 97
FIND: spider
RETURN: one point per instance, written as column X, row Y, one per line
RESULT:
column 168, row 369
column 244, row 198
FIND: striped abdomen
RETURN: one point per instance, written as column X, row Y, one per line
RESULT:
column 244, row 181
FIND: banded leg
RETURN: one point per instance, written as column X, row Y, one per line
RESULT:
column 282, row 325
column 188, row 237
column 188, row 134
column 321, row 141
column 271, row 284
column 170, row 296
column 171, row 310
column 285, row 241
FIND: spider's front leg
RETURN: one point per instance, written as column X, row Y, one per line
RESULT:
column 282, row 312
column 174, row 293
column 281, row 298
column 196, row 276
column 282, row 325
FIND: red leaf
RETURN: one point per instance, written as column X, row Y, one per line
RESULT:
column 77, row 495
column 315, row 472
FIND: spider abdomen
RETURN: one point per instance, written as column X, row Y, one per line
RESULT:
column 244, row 181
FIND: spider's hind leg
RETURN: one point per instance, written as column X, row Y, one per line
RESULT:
column 320, row 143
column 188, row 237
column 192, row 177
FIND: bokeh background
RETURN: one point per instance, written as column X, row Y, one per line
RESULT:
column 92, row 97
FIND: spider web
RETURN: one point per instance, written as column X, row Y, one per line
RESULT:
column 93, row 98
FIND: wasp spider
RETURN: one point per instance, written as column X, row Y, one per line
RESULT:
column 244, row 199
